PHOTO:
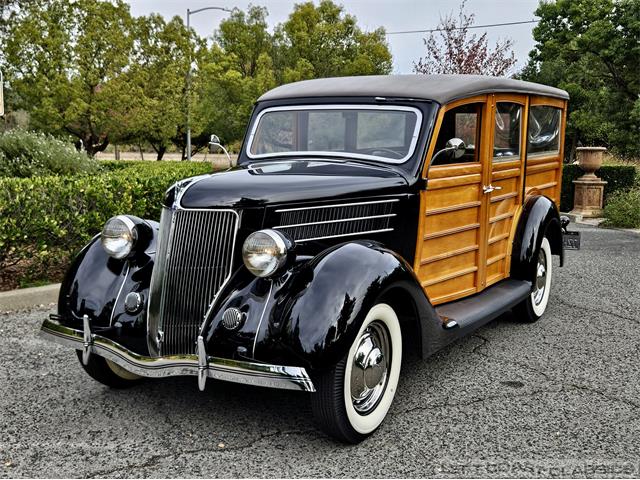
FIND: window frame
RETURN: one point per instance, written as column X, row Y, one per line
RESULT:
column 398, row 108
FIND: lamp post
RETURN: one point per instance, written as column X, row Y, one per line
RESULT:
column 189, row 13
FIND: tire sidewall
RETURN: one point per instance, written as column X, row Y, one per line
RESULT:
column 538, row 310
column 365, row 424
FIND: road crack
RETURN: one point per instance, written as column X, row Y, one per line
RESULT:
column 154, row 460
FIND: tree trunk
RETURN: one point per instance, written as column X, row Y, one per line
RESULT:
column 117, row 152
column 141, row 152
column 160, row 151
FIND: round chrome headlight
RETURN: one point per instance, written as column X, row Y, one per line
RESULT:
column 118, row 236
column 264, row 252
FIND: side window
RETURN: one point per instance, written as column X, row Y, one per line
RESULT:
column 506, row 139
column 464, row 123
column 543, row 135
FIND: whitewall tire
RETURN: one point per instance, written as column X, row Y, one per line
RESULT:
column 536, row 304
column 353, row 399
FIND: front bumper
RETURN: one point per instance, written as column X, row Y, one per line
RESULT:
column 201, row 365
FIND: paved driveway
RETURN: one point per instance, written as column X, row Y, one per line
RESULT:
column 557, row 398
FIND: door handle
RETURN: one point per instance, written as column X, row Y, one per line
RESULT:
column 490, row 188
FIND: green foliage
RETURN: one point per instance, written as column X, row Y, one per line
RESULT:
column 89, row 69
column 619, row 178
column 590, row 48
column 27, row 154
column 623, row 209
column 246, row 60
column 45, row 220
column 65, row 60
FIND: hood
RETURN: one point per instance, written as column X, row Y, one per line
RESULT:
column 264, row 183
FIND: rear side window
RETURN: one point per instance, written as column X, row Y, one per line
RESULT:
column 543, row 132
column 506, row 140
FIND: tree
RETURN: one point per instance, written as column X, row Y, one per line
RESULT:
column 591, row 48
column 246, row 60
column 162, row 54
column 455, row 50
column 65, row 62
column 323, row 41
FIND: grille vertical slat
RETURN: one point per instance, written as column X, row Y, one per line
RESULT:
column 188, row 275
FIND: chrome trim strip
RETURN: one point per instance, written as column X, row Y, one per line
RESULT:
column 400, row 108
column 336, row 205
column 251, row 373
column 264, row 310
column 124, row 280
column 344, row 235
column 341, row 220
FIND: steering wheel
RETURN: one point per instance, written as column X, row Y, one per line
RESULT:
column 375, row 150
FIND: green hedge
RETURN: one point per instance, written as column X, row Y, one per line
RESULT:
column 44, row 221
column 619, row 177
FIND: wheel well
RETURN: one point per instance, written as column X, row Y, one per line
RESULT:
column 554, row 233
column 405, row 307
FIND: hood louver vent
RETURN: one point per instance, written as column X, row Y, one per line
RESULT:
column 305, row 224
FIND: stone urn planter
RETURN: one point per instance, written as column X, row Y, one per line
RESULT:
column 588, row 195
column 590, row 159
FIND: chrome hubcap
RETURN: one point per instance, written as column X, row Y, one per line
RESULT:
column 541, row 278
column 370, row 367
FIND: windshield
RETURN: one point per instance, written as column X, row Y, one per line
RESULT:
column 385, row 133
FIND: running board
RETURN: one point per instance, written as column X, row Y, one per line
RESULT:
column 473, row 312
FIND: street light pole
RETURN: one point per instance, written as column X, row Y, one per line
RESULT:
column 189, row 13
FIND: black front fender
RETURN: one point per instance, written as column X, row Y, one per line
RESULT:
column 316, row 313
column 539, row 218
column 96, row 285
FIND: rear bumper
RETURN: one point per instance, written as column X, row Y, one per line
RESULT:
column 202, row 365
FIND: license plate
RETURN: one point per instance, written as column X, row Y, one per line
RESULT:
column 571, row 240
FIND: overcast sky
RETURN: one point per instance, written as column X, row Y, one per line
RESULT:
column 394, row 15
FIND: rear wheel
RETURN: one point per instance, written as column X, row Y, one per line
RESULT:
column 108, row 373
column 535, row 305
column 353, row 398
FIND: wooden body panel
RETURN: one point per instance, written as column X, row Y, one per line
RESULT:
column 465, row 236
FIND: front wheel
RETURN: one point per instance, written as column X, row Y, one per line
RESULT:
column 353, row 398
column 108, row 373
column 531, row 309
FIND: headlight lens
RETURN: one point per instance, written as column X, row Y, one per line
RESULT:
column 264, row 252
column 118, row 236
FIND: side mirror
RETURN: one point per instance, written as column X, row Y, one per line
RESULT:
column 214, row 141
column 456, row 146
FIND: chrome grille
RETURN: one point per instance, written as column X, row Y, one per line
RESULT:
column 193, row 262
column 334, row 221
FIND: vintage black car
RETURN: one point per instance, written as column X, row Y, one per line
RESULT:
column 366, row 217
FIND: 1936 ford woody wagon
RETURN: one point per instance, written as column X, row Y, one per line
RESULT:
column 366, row 216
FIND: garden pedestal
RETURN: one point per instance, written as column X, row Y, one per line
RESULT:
column 588, row 196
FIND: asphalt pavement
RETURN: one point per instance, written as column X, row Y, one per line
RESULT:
column 557, row 398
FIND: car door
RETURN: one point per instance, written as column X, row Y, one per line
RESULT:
column 503, row 186
column 451, row 244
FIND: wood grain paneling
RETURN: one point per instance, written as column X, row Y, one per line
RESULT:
column 465, row 236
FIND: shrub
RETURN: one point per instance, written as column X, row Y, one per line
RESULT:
column 623, row 209
column 619, row 177
column 45, row 220
column 27, row 154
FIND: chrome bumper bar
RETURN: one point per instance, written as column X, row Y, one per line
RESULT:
column 201, row 365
